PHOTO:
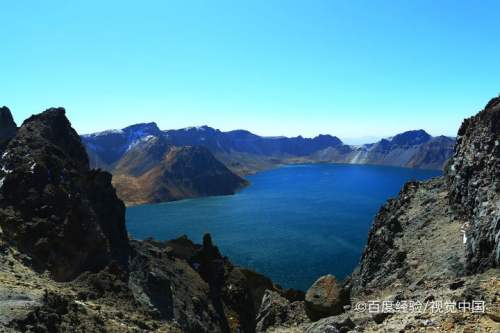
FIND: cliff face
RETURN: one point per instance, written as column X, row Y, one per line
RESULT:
column 473, row 176
column 48, row 189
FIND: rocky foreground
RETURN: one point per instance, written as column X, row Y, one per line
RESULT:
column 67, row 264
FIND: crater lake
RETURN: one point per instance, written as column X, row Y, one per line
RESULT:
column 293, row 223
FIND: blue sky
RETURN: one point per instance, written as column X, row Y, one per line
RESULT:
column 349, row 68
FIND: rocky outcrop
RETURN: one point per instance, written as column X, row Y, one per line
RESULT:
column 325, row 298
column 473, row 176
column 65, row 216
column 8, row 127
column 236, row 292
column 278, row 312
column 413, row 237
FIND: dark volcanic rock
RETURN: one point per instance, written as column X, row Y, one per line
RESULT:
column 474, row 179
column 8, row 127
column 66, row 217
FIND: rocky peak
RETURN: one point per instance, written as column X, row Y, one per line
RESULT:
column 144, row 128
column 8, row 127
column 65, row 217
column 411, row 138
column 473, row 176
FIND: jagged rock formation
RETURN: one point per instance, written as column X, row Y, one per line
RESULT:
column 473, row 176
column 8, row 127
column 65, row 216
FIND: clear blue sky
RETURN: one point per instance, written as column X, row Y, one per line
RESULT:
column 349, row 68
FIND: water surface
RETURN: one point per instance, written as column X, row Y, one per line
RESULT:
column 293, row 224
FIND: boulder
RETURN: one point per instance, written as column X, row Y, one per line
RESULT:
column 326, row 297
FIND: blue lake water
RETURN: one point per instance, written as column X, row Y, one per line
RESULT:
column 293, row 224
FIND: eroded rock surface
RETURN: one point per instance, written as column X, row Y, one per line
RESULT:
column 473, row 176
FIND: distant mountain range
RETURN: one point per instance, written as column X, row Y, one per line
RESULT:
column 146, row 161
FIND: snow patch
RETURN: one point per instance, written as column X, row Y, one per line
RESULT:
column 134, row 143
column 196, row 128
column 106, row 132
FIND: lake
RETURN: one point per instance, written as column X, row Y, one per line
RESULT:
column 293, row 224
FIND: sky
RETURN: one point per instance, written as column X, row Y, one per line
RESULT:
column 349, row 68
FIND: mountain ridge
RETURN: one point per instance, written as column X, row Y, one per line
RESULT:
column 243, row 153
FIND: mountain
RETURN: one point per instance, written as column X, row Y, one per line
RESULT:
column 153, row 171
column 106, row 148
column 412, row 149
column 141, row 157
column 244, row 152
column 68, row 265
column 147, row 166
column 242, row 141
